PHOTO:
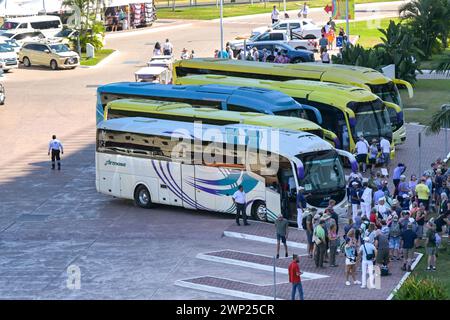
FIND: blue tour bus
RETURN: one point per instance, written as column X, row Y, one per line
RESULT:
column 242, row 99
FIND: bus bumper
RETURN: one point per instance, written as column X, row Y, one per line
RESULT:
column 399, row 136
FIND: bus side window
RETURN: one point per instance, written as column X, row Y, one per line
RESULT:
column 232, row 107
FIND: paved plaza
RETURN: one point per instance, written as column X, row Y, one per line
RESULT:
column 53, row 222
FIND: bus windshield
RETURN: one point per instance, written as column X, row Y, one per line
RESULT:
column 388, row 92
column 323, row 172
column 372, row 120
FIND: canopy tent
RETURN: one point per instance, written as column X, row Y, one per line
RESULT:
column 120, row 3
column 28, row 7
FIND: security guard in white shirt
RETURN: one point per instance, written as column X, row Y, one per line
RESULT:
column 239, row 201
column 55, row 148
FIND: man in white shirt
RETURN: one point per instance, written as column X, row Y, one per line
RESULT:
column 366, row 204
column 385, row 150
column 362, row 149
column 367, row 250
column 255, row 54
column 55, row 148
column 239, row 201
column 305, row 11
column 275, row 15
column 167, row 48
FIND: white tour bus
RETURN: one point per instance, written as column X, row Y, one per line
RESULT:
column 47, row 24
column 141, row 159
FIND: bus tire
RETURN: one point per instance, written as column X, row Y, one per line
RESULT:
column 259, row 211
column 142, row 197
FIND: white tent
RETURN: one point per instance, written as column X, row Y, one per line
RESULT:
column 28, row 7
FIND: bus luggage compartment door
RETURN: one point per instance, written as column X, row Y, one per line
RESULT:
column 188, row 186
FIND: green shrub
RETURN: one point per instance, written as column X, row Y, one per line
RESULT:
column 420, row 289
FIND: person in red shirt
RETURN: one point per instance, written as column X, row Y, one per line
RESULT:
column 294, row 277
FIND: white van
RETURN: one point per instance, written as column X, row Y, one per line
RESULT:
column 48, row 25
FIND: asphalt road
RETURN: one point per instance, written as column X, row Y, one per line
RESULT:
column 51, row 220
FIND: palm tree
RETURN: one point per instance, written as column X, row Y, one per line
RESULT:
column 443, row 65
column 439, row 120
column 428, row 20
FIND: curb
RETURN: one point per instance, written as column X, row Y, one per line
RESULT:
column 103, row 62
column 403, row 279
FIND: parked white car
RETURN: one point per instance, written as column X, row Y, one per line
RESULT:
column 8, row 58
column 304, row 27
column 22, row 37
column 282, row 36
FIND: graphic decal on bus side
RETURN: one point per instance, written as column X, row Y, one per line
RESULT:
column 230, row 180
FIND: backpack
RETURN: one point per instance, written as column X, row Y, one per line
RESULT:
column 394, row 230
column 304, row 221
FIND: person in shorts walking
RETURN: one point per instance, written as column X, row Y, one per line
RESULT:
column 55, row 148
column 408, row 238
column 282, row 227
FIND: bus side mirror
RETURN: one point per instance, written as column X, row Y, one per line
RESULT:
column 351, row 158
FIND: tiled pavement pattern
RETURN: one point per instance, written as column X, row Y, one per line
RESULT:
column 331, row 287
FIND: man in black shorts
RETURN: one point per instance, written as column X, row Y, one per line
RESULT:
column 55, row 148
column 282, row 225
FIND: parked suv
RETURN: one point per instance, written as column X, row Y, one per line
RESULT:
column 8, row 58
column 57, row 56
column 294, row 55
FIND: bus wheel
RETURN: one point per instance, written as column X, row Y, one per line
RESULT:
column 259, row 211
column 142, row 197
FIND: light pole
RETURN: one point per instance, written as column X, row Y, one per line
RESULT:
column 347, row 10
column 446, row 107
column 221, row 28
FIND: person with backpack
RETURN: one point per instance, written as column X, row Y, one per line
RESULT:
column 333, row 243
column 420, row 221
column 307, row 224
column 394, row 238
column 408, row 237
column 320, row 243
column 431, row 246
column 301, row 206
column 368, row 253
column 382, row 245
column 354, row 198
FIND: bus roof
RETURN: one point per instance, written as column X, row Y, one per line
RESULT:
column 293, row 142
column 345, row 74
column 260, row 99
column 182, row 109
column 333, row 94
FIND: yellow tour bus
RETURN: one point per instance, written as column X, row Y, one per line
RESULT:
column 186, row 113
column 349, row 112
column 361, row 77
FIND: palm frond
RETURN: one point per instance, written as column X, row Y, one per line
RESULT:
column 439, row 120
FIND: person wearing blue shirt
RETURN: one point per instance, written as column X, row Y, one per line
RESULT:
column 398, row 171
column 354, row 198
column 378, row 194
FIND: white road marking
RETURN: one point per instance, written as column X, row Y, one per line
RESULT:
column 245, row 236
column 305, row 276
column 227, row 292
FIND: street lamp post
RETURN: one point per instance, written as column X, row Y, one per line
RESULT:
column 444, row 108
column 221, row 28
column 347, row 10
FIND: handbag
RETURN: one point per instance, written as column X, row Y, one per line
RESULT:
column 369, row 257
